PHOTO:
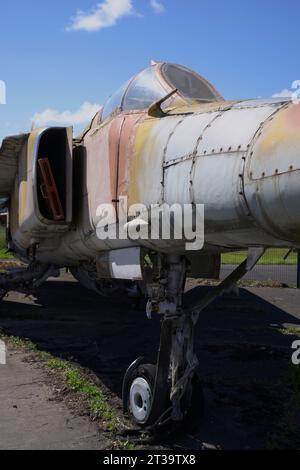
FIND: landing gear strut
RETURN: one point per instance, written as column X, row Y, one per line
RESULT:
column 165, row 393
column 155, row 395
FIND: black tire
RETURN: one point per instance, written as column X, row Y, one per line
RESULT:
column 148, row 371
column 192, row 403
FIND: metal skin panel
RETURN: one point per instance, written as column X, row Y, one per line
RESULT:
column 214, row 177
column 261, row 102
column 127, row 139
column 146, row 169
column 219, row 188
column 277, row 148
column 102, row 146
column 233, row 130
column 272, row 177
column 115, row 132
column 274, row 204
column 177, row 183
column 69, row 175
column 184, row 139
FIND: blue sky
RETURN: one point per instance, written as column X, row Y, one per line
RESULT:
column 54, row 56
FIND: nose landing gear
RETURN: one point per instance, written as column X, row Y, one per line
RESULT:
column 165, row 394
column 155, row 396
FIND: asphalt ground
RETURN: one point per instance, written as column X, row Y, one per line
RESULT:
column 243, row 345
column 279, row 273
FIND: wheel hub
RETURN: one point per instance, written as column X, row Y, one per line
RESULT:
column 140, row 399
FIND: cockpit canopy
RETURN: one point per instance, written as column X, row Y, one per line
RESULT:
column 154, row 83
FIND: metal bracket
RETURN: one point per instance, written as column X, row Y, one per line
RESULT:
column 254, row 255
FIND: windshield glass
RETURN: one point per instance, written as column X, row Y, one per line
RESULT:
column 115, row 101
column 188, row 83
column 143, row 91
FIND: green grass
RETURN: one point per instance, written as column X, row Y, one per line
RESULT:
column 272, row 256
column 19, row 342
column 290, row 330
column 97, row 400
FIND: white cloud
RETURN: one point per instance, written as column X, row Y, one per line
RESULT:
column 103, row 15
column 51, row 116
column 285, row 93
column 157, row 6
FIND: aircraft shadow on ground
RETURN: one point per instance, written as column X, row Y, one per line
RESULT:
column 238, row 342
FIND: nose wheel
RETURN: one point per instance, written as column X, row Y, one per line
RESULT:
column 157, row 395
column 139, row 391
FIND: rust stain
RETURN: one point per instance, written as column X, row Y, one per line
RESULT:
column 293, row 117
column 100, row 189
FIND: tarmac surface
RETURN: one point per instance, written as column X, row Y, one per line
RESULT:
column 281, row 273
column 244, row 359
column 31, row 419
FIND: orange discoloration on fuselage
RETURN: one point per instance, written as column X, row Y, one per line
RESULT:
column 126, row 151
column 283, row 129
column 138, row 165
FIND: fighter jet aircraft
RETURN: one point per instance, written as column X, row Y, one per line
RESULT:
column 165, row 138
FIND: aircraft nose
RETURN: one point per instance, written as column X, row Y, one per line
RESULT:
column 272, row 176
